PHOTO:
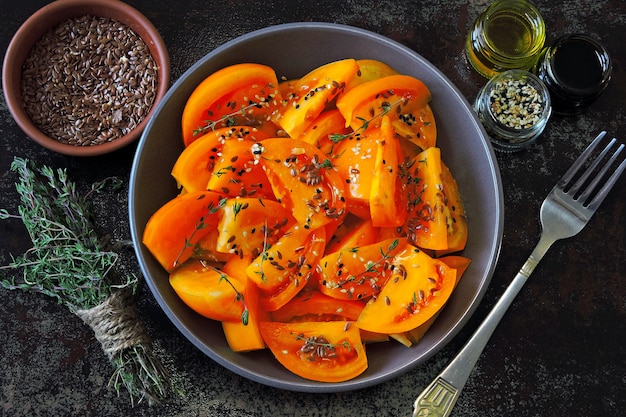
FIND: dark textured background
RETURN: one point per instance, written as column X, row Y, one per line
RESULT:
column 558, row 351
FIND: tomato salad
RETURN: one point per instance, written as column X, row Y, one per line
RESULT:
column 316, row 215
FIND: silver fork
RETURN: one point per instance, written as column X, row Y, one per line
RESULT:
column 565, row 211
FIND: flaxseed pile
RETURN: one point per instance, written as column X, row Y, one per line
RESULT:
column 88, row 81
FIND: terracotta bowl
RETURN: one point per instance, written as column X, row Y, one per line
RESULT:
column 47, row 18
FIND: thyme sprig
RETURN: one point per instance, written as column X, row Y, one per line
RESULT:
column 239, row 297
column 200, row 224
column 230, row 119
column 69, row 262
column 371, row 266
column 365, row 123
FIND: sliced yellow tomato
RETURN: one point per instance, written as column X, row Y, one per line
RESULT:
column 311, row 94
column 236, row 173
column 354, row 162
column 303, row 180
column 173, row 230
column 417, row 126
column 245, row 336
column 323, row 131
column 248, row 225
column 364, row 105
column 388, row 205
column 195, row 164
column 370, row 69
column 210, row 292
column 413, row 336
column 417, row 289
column 283, row 270
column 352, row 232
column 358, row 273
column 241, row 94
column 320, row 351
column 426, row 223
column 456, row 220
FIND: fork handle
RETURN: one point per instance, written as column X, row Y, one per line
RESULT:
column 438, row 399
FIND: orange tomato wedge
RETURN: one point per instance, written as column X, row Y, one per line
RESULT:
column 417, row 289
column 303, row 180
column 209, row 292
column 426, row 223
column 355, row 164
column 174, row 229
column 456, row 220
column 241, row 94
column 386, row 95
column 320, row 351
column 196, row 163
column 357, row 273
column 236, row 174
column 245, row 337
column 248, row 225
column 310, row 95
column 388, row 206
column 284, row 269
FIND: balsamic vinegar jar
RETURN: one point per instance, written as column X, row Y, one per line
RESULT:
column 576, row 69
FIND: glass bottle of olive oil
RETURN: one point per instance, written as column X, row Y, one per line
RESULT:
column 509, row 34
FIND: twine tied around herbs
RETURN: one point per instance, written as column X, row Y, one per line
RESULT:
column 116, row 323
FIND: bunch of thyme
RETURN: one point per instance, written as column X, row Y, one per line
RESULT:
column 69, row 262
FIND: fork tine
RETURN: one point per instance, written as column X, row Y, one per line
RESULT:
column 604, row 191
column 591, row 168
column 571, row 172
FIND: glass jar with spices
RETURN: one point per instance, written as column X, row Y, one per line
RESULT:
column 576, row 69
column 514, row 108
column 509, row 34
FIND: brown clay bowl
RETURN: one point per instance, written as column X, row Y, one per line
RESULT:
column 45, row 19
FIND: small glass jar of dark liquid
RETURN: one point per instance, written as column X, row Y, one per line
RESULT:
column 576, row 69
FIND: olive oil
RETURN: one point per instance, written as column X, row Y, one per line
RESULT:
column 509, row 34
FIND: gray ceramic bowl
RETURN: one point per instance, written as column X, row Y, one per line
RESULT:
column 293, row 50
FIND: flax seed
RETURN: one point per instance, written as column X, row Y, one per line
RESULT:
column 81, row 82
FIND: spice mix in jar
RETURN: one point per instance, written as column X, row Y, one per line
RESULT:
column 514, row 108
